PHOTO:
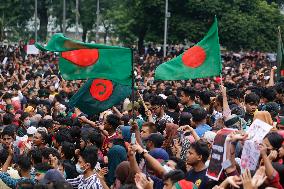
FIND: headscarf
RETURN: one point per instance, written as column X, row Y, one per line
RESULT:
column 116, row 155
column 263, row 116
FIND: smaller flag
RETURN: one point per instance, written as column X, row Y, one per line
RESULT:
column 200, row 61
column 80, row 60
column 98, row 95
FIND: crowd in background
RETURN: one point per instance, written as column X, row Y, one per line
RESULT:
column 47, row 144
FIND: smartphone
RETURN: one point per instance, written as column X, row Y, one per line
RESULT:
column 133, row 139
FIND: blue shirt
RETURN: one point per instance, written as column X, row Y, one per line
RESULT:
column 201, row 129
column 12, row 182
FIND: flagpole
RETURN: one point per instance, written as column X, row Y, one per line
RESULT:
column 132, row 84
column 278, row 56
column 35, row 20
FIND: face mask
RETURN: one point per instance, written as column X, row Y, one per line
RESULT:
column 79, row 169
column 27, row 123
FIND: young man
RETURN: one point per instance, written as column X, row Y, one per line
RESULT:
column 172, row 177
column 198, row 154
column 188, row 99
column 147, row 129
column 199, row 120
column 251, row 104
column 85, row 166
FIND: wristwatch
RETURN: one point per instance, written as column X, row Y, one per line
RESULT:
column 144, row 152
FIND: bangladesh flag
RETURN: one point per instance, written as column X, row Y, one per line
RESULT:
column 80, row 60
column 200, row 61
column 98, row 95
column 279, row 58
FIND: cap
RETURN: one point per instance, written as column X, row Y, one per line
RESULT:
column 53, row 175
column 129, row 106
column 157, row 139
column 31, row 130
column 29, row 109
column 159, row 153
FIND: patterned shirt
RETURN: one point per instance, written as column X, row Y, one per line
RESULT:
column 92, row 182
column 12, row 182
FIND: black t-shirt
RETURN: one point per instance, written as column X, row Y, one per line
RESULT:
column 248, row 118
column 198, row 178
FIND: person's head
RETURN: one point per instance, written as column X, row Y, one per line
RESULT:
column 48, row 154
column 25, row 184
column 187, row 95
column 8, row 135
column 176, row 163
column 40, row 170
column 147, row 129
column 198, row 153
column 112, row 122
column 87, row 160
column 268, row 95
column 273, row 141
column 40, row 139
column 154, row 140
column 35, row 156
column 172, row 177
column 24, row 164
column 158, row 105
column 61, row 136
column 8, row 118
column 199, row 115
column 25, row 119
column 251, row 102
column 184, row 184
column 185, row 118
column 273, row 108
column 67, row 150
column 204, row 98
column 172, row 102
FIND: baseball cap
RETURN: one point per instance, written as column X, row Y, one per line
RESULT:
column 159, row 153
column 53, row 175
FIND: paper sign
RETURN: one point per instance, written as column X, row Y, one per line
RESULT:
column 258, row 130
column 250, row 154
column 31, row 49
column 218, row 155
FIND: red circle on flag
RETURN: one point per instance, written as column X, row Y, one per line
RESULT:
column 194, row 57
column 101, row 89
column 82, row 57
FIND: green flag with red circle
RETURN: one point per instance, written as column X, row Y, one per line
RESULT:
column 80, row 60
column 98, row 95
column 201, row 61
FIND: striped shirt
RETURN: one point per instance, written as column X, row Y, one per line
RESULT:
column 80, row 182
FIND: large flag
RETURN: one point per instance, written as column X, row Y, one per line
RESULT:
column 80, row 60
column 98, row 95
column 279, row 58
column 200, row 61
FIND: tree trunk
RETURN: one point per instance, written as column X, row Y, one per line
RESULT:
column 141, row 44
column 84, row 35
column 105, row 35
column 43, row 17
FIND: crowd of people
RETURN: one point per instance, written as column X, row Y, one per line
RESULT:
column 162, row 140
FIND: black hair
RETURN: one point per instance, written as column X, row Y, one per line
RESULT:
column 44, row 136
column 47, row 151
column 61, row 185
column 172, row 102
column 181, row 165
column 8, row 118
column 174, row 176
column 157, row 100
column 190, row 92
column 275, row 139
column 113, row 120
column 252, row 98
column 90, row 155
column 24, row 163
column 120, row 142
column 198, row 114
column 42, row 167
column 63, row 135
column 128, row 186
column 185, row 118
column 35, row 155
column 24, row 116
column 201, row 148
column 7, row 96
column 125, row 119
column 68, row 149
column 269, row 93
column 205, row 97
column 96, row 139
column 9, row 130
